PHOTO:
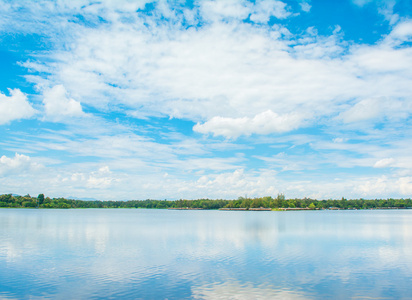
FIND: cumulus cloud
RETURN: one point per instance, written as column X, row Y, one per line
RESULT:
column 57, row 105
column 263, row 123
column 385, row 186
column 223, row 67
column 100, row 179
column 14, row 107
column 226, row 68
column 405, row 185
column 19, row 164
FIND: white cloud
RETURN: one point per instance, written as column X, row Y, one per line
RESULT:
column 225, row 70
column 339, row 140
column 402, row 31
column 129, row 180
column 228, row 69
column 229, row 185
column 384, row 7
column 376, row 109
column 263, row 123
column 259, row 12
column 405, row 185
column 14, row 107
column 216, row 10
column 380, row 60
column 100, row 179
column 305, row 6
column 384, row 163
column 363, row 110
column 58, row 105
column 19, row 164
column 233, row 68
column 263, row 10
column 384, row 186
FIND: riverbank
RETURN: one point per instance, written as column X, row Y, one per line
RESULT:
column 268, row 203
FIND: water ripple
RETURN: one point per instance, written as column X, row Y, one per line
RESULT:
column 114, row 254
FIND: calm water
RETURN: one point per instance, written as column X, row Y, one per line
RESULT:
column 163, row 254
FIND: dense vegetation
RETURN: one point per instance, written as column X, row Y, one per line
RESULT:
column 8, row 200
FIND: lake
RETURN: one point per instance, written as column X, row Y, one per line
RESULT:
column 168, row 254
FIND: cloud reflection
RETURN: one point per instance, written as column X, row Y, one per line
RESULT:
column 246, row 291
column 211, row 254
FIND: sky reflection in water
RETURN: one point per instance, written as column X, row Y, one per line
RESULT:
column 159, row 254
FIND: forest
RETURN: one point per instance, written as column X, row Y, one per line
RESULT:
column 275, row 203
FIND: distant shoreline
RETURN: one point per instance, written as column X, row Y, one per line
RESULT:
column 268, row 203
column 205, row 209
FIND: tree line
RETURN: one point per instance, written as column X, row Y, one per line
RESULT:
column 279, row 202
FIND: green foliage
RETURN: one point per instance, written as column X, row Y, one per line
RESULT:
column 29, row 204
column 281, row 197
column 40, row 199
column 8, row 200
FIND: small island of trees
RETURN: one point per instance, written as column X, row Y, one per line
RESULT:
column 244, row 203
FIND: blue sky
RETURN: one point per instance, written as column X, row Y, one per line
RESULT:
column 219, row 99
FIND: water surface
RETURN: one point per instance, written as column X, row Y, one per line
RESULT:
column 167, row 254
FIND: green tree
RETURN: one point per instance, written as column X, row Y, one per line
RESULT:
column 40, row 199
column 343, row 203
column 281, row 197
column 257, row 202
column 29, row 204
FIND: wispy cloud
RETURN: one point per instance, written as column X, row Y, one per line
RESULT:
column 263, row 123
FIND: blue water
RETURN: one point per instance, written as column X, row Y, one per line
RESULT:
column 164, row 254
